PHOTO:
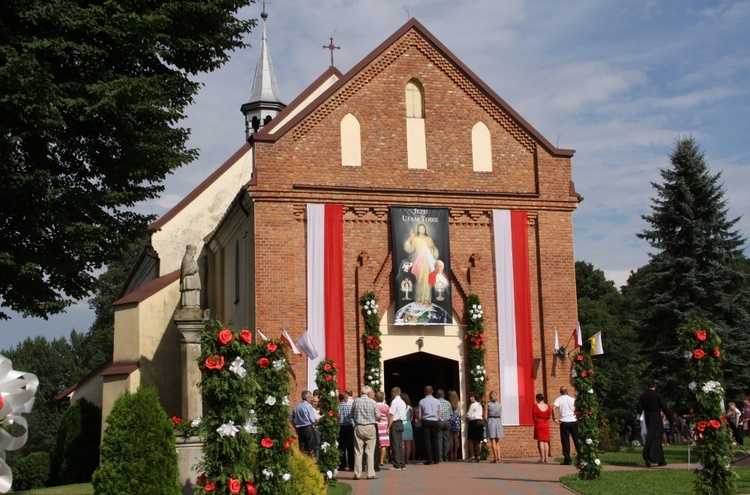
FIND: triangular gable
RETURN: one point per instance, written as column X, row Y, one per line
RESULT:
column 520, row 127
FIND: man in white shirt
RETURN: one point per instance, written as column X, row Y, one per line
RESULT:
column 564, row 414
column 396, row 418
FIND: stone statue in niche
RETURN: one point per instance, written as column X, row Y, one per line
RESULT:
column 190, row 282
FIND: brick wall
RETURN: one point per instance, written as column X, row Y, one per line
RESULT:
column 303, row 166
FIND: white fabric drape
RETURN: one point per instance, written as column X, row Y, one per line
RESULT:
column 315, row 287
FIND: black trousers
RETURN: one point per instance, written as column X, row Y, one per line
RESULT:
column 346, row 442
column 567, row 430
column 431, row 431
column 306, row 436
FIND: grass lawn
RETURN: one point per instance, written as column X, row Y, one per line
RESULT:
column 649, row 481
column 87, row 489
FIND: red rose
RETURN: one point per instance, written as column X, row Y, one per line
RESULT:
column 288, row 443
column 714, row 424
column 699, row 354
column 210, row 486
column 589, row 412
column 246, row 336
column 584, row 373
column 327, row 367
column 328, row 378
column 700, row 335
column 225, row 337
column 701, row 426
column 717, row 352
column 175, row 420
column 579, row 357
column 251, row 490
column 334, row 365
column 234, row 486
column 264, row 362
column 578, row 413
column 591, row 372
column 215, row 362
column 266, row 443
column 271, row 347
column 330, row 414
column 724, row 420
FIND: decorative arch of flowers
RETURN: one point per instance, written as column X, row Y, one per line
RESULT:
column 587, row 412
column 329, row 455
column 702, row 349
column 475, row 344
column 371, row 341
column 245, row 389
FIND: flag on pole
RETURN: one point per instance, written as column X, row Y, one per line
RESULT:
column 261, row 334
column 557, row 341
column 596, row 344
column 286, row 338
column 577, row 337
column 305, row 343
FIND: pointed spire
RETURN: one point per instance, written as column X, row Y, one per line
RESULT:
column 264, row 102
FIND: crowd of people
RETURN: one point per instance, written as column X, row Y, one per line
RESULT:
column 373, row 433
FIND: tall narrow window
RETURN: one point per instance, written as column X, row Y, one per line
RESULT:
column 416, row 144
column 481, row 148
column 351, row 141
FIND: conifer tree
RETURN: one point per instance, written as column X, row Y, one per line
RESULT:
column 693, row 271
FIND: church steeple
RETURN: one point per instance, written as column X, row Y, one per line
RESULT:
column 264, row 102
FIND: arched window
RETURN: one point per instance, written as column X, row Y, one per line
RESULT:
column 416, row 144
column 351, row 141
column 481, row 148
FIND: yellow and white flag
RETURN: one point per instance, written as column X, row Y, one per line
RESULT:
column 596, row 344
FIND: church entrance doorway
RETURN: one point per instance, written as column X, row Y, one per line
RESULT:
column 413, row 371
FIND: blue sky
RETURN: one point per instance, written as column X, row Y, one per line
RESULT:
column 618, row 82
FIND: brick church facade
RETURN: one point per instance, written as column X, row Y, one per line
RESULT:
column 408, row 126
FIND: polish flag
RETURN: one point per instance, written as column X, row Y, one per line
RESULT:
column 577, row 337
column 513, row 282
column 286, row 338
column 325, row 288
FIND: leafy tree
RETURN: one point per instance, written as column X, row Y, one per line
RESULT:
column 601, row 308
column 694, row 272
column 76, row 453
column 92, row 95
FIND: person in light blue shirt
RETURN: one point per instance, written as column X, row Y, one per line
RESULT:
column 302, row 419
column 430, row 413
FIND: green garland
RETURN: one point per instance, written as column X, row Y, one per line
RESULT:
column 476, row 346
column 329, row 455
column 228, row 386
column 371, row 341
column 587, row 411
column 269, row 363
column 702, row 349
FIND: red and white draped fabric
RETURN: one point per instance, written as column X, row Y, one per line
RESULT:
column 514, row 316
column 325, row 288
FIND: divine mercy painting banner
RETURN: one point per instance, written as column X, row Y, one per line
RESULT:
column 421, row 262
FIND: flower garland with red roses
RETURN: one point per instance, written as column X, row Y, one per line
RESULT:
column 475, row 345
column 371, row 341
column 587, row 412
column 228, row 389
column 702, row 348
column 329, row 456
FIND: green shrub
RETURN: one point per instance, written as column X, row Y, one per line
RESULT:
column 306, row 477
column 31, row 472
column 76, row 454
column 138, row 452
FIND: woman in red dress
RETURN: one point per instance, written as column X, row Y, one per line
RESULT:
column 541, row 417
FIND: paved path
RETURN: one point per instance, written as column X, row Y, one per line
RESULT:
column 514, row 476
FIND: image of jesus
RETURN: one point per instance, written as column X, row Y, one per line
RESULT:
column 423, row 255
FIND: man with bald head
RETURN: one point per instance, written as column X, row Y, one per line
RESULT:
column 365, row 416
column 564, row 414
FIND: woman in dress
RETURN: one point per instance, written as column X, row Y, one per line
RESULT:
column 385, row 439
column 408, row 435
column 474, row 417
column 455, row 423
column 423, row 255
column 541, row 415
column 494, row 425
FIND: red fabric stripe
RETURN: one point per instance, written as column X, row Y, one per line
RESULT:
column 334, row 288
column 522, row 288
